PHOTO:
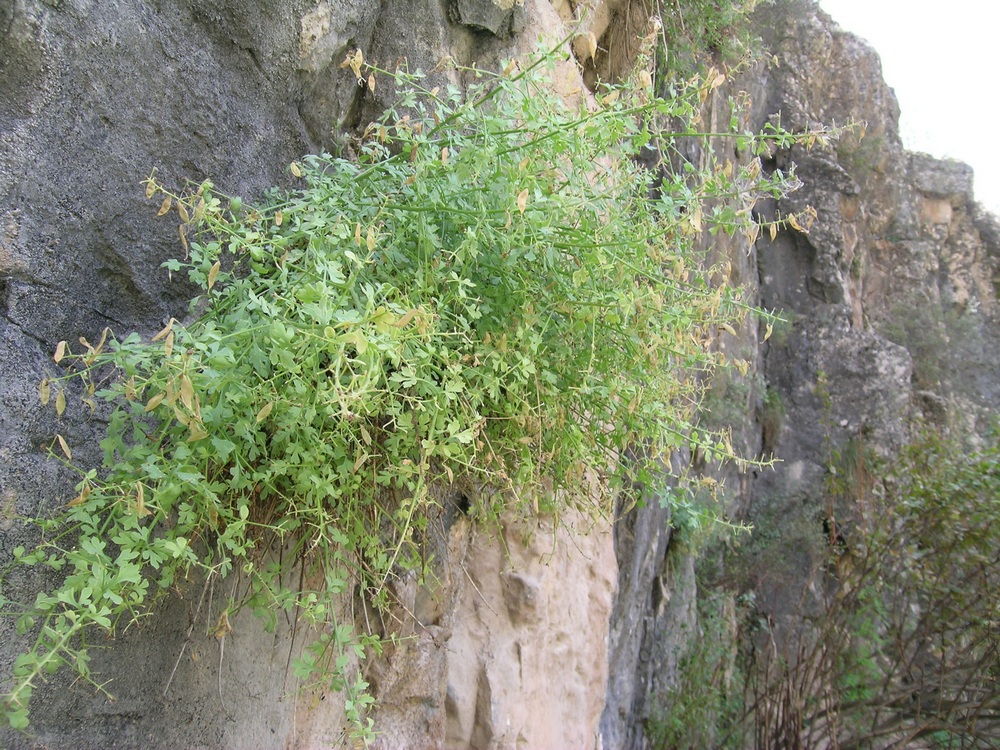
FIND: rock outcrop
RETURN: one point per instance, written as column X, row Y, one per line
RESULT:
column 509, row 645
column 890, row 297
column 529, row 636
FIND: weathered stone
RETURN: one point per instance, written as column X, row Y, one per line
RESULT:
column 493, row 16
column 941, row 178
column 894, row 285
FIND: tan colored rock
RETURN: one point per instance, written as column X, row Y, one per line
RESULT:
column 935, row 210
column 519, row 657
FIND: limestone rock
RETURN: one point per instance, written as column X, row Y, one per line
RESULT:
column 494, row 16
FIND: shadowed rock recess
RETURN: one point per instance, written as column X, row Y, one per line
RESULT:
column 556, row 638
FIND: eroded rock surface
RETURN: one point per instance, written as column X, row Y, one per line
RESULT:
column 531, row 637
column 510, row 648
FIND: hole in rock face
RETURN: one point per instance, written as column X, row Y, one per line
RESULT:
column 463, row 503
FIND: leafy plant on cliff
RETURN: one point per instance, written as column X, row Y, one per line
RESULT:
column 485, row 295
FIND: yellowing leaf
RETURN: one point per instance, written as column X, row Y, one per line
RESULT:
column 371, row 82
column 44, row 391
column 166, row 329
column 198, row 432
column 60, row 351
column 444, row 155
column 523, row 164
column 165, row 206
column 278, row 218
column 140, row 502
column 768, row 331
column 183, row 234
column 727, row 328
column 510, row 68
column 103, row 341
column 357, row 234
column 223, row 626
column 522, row 200
column 611, row 98
column 65, row 447
column 383, row 319
column 181, row 417
column 79, row 499
column 370, row 239
column 358, row 340
column 589, row 43
column 773, row 231
column 646, row 79
column 794, row 224
column 154, row 402
column 695, row 219
column 213, row 273
column 262, row 414
column 60, row 403
column 182, row 210
column 407, row 317
column 633, row 404
column 150, row 187
column 295, row 169
column 354, row 62
column 187, row 392
column 168, row 345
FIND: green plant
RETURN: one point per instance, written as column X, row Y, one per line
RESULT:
column 701, row 708
column 699, row 32
column 904, row 647
column 486, row 294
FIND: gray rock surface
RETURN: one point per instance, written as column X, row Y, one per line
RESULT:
column 93, row 97
column 890, row 298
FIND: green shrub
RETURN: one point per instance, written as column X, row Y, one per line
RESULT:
column 485, row 295
column 706, row 702
column 699, row 32
column 904, row 646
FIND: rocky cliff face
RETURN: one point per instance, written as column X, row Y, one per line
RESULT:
column 890, row 298
column 532, row 636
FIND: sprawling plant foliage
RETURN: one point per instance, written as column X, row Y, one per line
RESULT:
column 488, row 292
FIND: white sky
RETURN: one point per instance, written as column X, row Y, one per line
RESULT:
column 941, row 59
